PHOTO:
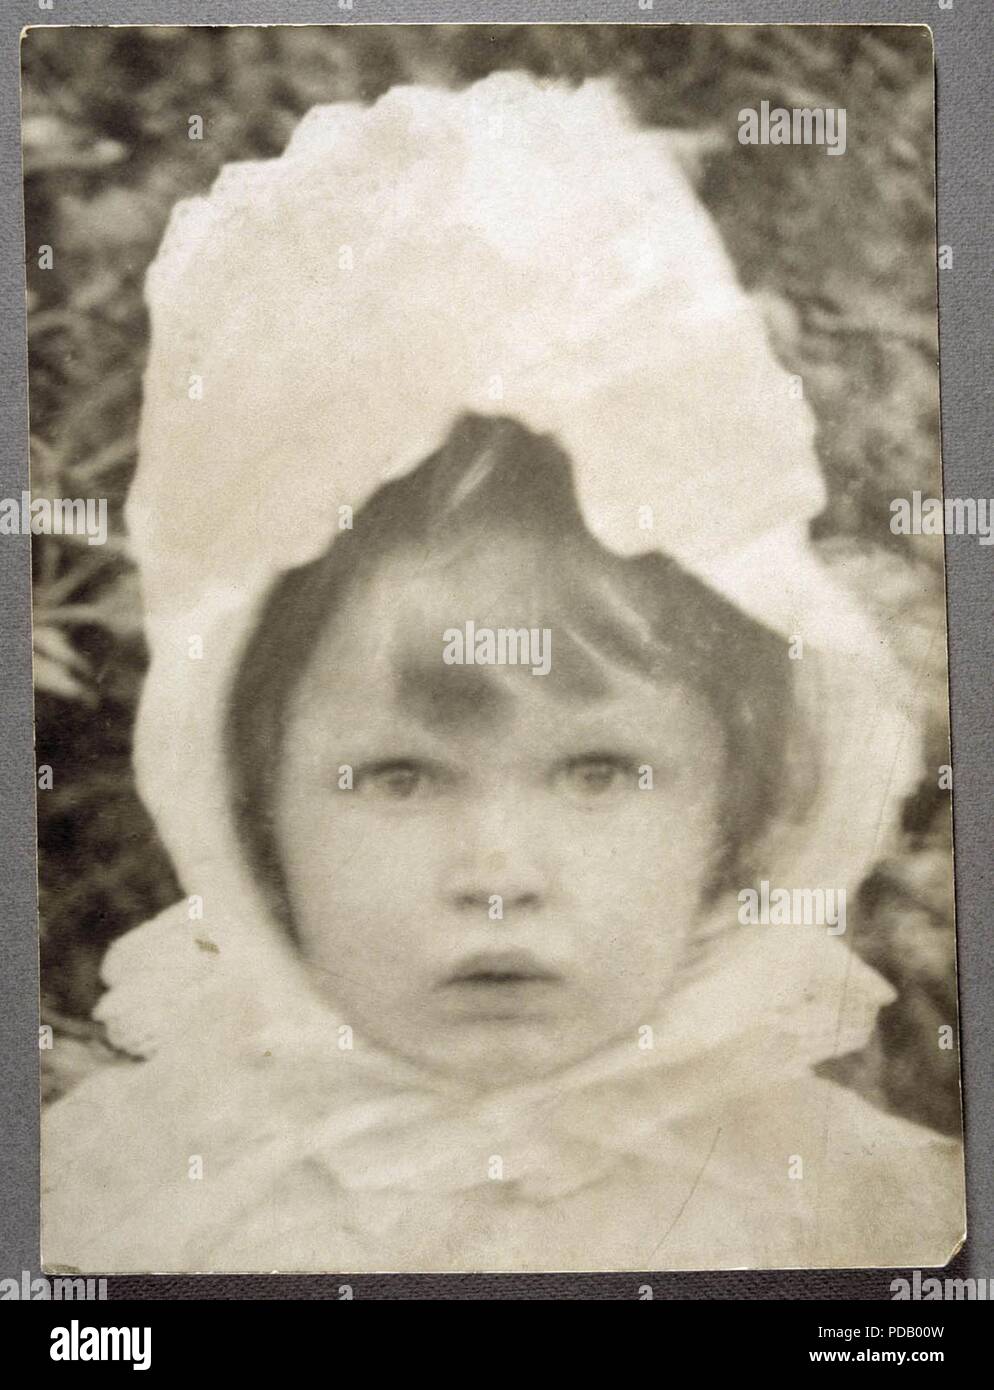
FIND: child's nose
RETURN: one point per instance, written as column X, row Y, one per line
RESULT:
column 497, row 856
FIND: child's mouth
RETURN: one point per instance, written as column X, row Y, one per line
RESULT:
column 501, row 984
column 503, row 968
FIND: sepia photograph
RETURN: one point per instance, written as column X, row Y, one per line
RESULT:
column 490, row 651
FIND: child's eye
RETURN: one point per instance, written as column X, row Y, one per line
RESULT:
column 397, row 781
column 595, row 777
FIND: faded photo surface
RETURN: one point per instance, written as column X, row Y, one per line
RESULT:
column 494, row 778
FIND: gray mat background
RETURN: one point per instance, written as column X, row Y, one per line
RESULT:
column 964, row 43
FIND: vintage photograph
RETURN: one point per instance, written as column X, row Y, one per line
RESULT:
column 490, row 649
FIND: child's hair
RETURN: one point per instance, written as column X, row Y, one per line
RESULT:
column 496, row 481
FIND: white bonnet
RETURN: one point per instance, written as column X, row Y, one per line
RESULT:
column 513, row 248
column 319, row 320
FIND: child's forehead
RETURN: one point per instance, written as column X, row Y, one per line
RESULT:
column 434, row 707
column 392, row 639
column 381, row 665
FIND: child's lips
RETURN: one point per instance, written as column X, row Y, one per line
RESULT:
column 501, row 971
column 500, row 986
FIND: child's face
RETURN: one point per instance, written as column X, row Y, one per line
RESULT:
column 472, row 785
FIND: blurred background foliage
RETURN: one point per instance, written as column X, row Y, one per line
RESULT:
column 840, row 251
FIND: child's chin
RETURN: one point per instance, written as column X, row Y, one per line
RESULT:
column 493, row 1053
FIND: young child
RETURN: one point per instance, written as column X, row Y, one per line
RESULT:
column 461, row 980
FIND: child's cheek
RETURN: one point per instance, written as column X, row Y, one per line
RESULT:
column 645, row 836
column 363, row 897
column 376, row 858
